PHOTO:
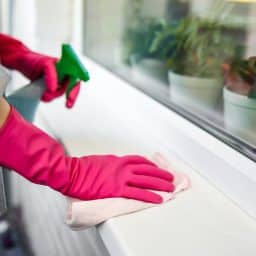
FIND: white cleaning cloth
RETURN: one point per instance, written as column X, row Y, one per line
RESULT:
column 85, row 214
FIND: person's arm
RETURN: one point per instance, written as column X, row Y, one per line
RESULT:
column 41, row 159
column 15, row 55
column 10, row 51
column 4, row 111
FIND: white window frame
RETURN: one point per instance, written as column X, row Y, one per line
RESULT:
column 228, row 170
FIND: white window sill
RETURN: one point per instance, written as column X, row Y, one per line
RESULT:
column 112, row 117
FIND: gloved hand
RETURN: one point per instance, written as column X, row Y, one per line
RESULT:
column 39, row 158
column 15, row 55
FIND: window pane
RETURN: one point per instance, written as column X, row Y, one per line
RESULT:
column 196, row 57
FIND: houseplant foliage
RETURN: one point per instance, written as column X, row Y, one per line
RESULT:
column 197, row 47
column 240, row 76
column 195, row 51
column 138, row 40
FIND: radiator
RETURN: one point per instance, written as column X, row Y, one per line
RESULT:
column 43, row 212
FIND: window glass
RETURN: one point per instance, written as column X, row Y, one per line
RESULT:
column 196, row 57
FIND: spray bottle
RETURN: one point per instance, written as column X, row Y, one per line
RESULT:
column 26, row 99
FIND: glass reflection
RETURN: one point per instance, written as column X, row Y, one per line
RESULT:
column 198, row 55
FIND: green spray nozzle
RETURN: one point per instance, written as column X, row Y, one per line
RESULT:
column 70, row 67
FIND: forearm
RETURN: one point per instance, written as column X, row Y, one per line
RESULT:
column 15, row 55
column 11, row 51
column 8, row 47
column 32, row 153
column 41, row 159
column 4, row 111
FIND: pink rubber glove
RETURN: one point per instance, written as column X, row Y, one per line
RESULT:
column 15, row 55
column 39, row 158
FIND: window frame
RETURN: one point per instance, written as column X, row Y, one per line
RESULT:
column 229, row 170
column 219, row 132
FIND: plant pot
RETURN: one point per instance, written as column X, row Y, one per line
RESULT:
column 240, row 115
column 202, row 94
column 150, row 68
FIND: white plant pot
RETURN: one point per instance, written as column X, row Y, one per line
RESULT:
column 150, row 68
column 198, row 93
column 240, row 115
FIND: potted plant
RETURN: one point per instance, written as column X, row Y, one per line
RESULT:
column 240, row 97
column 138, row 43
column 194, row 57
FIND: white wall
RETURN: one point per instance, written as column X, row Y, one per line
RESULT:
column 54, row 23
column 4, row 17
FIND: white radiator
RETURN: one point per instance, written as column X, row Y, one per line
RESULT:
column 43, row 215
